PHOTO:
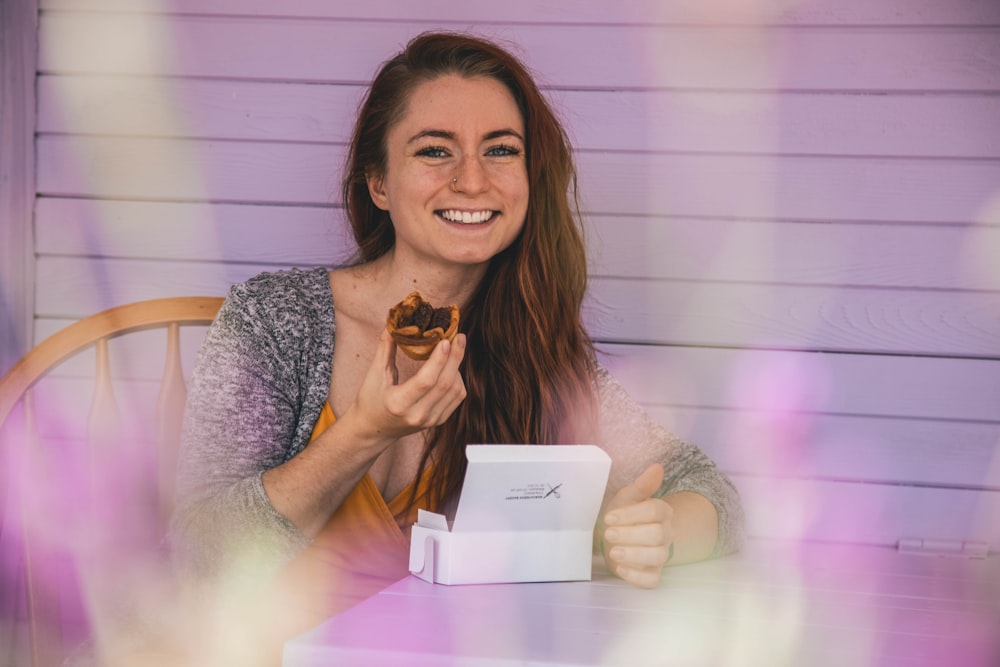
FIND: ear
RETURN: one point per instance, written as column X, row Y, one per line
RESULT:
column 376, row 188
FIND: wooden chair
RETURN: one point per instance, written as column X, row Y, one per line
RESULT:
column 36, row 559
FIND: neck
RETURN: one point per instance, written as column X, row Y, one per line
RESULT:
column 440, row 285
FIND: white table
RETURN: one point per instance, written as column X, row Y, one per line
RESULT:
column 773, row 605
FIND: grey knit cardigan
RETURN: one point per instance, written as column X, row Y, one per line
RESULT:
column 261, row 378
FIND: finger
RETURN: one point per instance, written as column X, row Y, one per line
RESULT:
column 450, row 390
column 642, row 577
column 422, row 389
column 435, row 365
column 647, row 534
column 644, row 486
column 446, row 358
column 439, row 374
column 651, row 510
column 435, row 390
column 641, row 557
column 450, row 381
column 446, row 408
column 456, row 354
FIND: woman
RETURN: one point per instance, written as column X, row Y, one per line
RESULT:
column 310, row 443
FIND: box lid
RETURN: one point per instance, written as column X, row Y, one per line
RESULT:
column 532, row 487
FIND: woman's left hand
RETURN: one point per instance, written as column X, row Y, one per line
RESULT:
column 637, row 530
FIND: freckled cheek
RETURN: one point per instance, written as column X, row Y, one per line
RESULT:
column 514, row 186
column 418, row 191
column 429, row 181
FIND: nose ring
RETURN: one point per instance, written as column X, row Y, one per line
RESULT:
column 454, row 185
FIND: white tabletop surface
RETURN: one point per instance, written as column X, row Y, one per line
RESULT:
column 773, row 605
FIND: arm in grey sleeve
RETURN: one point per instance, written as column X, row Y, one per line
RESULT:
column 240, row 420
column 635, row 441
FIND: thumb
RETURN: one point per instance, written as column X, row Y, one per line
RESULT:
column 644, row 486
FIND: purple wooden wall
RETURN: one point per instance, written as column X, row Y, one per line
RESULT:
column 794, row 215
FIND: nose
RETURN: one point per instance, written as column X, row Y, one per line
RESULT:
column 471, row 175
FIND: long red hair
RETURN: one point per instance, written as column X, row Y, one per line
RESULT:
column 528, row 365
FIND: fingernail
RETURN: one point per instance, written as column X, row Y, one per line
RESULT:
column 610, row 519
column 618, row 553
column 611, row 535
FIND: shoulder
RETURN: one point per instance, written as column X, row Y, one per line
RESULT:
column 290, row 298
column 631, row 437
column 277, row 289
column 607, row 387
column 275, row 314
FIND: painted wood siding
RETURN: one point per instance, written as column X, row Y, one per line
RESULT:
column 794, row 216
column 17, row 174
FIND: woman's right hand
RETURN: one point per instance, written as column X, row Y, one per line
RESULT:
column 307, row 488
column 427, row 399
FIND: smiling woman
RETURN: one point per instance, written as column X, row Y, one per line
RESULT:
column 455, row 183
column 310, row 444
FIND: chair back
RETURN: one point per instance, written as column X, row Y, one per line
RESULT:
column 83, row 514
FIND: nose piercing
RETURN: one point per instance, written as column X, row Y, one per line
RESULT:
column 454, row 184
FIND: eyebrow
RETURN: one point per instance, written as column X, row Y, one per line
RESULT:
column 450, row 136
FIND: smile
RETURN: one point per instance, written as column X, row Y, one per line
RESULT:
column 467, row 217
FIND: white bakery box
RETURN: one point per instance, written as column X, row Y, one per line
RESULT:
column 526, row 513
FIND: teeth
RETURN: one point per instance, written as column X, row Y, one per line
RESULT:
column 467, row 217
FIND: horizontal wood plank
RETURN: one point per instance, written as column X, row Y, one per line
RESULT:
column 841, row 447
column 695, row 121
column 795, row 317
column 182, row 231
column 848, row 512
column 630, row 56
column 871, row 255
column 77, row 288
column 730, row 186
column 189, row 170
column 790, row 188
column 809, row 12
column 846, row 255
column 793, row 382
column 625, row 311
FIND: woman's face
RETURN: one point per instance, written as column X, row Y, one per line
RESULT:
column 468, row 129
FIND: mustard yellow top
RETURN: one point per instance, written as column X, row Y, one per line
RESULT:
column 363, row 547
column 365, row 504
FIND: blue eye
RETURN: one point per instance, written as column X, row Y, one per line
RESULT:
column 503, row 150
column 432, row 151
